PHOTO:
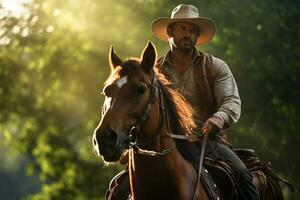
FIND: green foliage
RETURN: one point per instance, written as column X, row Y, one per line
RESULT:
column 53, row 61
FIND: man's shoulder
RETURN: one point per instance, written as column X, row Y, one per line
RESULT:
column 212, row 63
column 212, row 58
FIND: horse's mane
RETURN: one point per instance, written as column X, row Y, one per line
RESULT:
column 179, row 111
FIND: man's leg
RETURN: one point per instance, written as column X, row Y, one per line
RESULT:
column 246, row 189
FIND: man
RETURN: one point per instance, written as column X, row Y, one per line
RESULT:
column 205, row 81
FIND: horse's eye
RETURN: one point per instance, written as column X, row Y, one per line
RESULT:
column 140, row 89
column 108, row 90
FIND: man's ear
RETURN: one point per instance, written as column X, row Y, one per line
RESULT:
column 148, row 57
column 114, row 59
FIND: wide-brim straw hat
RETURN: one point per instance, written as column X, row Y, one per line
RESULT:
column 186, row 13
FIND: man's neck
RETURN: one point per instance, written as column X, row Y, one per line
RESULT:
column 181, row 59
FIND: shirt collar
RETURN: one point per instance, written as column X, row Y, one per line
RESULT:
column 167, row 57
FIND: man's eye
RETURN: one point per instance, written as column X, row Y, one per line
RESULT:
column 195, row 30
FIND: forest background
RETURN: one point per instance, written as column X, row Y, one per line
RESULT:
column 53, row 61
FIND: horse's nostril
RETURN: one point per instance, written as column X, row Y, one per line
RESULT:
column 112, row 138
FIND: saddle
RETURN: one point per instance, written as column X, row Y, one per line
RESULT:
column 266, row 181
column 215, row 175
column 218, row 174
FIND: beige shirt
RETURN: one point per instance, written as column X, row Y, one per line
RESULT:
column 225, row 89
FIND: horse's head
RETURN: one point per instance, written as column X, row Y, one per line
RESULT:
column 127, row 92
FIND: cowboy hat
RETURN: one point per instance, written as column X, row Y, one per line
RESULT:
column 186, row 13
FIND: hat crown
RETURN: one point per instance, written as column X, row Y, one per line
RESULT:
column 184, row 11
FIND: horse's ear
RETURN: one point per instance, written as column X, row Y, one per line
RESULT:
column 114, row 59
column 148, row 58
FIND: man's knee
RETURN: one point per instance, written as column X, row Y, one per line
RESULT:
column 241, row 172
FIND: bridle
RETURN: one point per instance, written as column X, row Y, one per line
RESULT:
column 133, row 143
column 155, row 93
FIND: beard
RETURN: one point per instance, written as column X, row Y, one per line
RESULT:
column 185, row 44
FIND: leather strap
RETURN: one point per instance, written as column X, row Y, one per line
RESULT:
column 184, row 137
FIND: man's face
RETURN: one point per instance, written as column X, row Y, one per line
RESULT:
column 184, row 35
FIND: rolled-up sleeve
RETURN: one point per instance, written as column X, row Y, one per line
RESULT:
column 226, row 94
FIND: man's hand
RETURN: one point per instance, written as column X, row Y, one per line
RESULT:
column 212, row 125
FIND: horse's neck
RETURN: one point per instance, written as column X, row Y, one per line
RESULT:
column 163, row 177
column 169, row 176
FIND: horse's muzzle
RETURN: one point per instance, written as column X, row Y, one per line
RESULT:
column 109, row 144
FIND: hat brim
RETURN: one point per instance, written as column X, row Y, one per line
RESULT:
column 206, row 26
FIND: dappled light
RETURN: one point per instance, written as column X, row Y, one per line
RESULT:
column 53, row 62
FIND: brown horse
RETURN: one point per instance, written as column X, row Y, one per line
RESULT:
column 140, row 115
column 139, row 111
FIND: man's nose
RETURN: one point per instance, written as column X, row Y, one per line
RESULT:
column 187, row 34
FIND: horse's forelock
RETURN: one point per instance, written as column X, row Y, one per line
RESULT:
column 114, row 75
column 127, row 68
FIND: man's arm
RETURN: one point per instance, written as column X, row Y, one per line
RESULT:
column 226, row 94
